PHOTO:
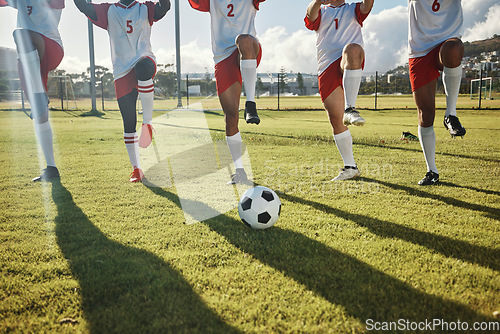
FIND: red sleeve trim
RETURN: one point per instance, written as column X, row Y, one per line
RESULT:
column 256, row 3
column 56, row 4
column 201, row 5
column 151, row 11
column 102, row 15
column 313, row 25
column 360, row 16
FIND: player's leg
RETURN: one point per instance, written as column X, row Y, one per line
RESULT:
column 145, row 70
column 249, row 49
column 334, row 105
column 31, row 49
column 127, row 105
column 425, row 100
column 450, row 58
column 230, row 101
column 353, row 57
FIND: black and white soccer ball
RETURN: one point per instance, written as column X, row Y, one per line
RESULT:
column 259, row 208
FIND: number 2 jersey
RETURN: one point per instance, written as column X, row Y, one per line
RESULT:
column 229, row 18
column 432, row 22
column 41, row 16
column 129, row 30
column 335, row 28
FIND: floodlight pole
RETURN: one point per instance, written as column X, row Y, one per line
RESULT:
column 178, row 53
column 376, row 88
column 92, row 64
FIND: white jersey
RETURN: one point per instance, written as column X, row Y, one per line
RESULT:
column 335, row 28
column 432, row 22
column 229, row 18
column 41, row 16
column 129, row 30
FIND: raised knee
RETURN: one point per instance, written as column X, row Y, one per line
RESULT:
column 354, row 50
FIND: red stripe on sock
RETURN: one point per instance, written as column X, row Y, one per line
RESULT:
column 144, row 87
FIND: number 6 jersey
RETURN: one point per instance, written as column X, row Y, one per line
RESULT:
column 432, row 22
column 129, row 30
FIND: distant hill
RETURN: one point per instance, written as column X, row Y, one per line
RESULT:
column 473, row 49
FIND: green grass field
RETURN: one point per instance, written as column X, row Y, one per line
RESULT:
column 94, row 253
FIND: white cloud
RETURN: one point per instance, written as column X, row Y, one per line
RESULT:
column 486, row 28
column 296, row 51
column 386, row 38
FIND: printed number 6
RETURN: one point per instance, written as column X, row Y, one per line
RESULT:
column 436, row 6
column 231, row 8
column 130, row 29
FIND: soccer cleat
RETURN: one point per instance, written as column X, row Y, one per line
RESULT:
column 251, row 113
column 137, row 175
column 347, row 173
column 48, row 174
column 352, row 117
column 429, row 178
column 146, row 135
column 239, row 177
column 409, row 136
column 452, row 124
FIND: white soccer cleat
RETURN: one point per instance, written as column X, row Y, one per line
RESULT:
column 352, row 117
column 347, row 173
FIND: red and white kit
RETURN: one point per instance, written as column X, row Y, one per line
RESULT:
column 129, row 30
column 431, row 22
column 335, row 28
column 229, row 18
column 41, row 16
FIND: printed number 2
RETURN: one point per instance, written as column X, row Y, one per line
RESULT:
column 231, row 8
column 336, row 24
column 130, row 29
column 30, row 9
column 436, row 6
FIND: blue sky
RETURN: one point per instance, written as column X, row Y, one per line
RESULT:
column 286, row 42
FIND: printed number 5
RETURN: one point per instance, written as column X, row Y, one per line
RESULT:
column 436, row 6
column 130, row 29
column 231, row 8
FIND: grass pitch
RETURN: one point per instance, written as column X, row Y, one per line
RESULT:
column 94, row 253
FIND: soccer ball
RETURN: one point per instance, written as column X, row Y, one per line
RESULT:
column 259, row 208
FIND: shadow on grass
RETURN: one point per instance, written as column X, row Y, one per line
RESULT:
column 491, row 212
column 125, row 289
column 447, row 246
column 363, row 291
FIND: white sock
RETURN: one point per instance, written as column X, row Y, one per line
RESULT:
column 351, row 81
column 44, row 134
column 132, row 145
column 344, row 144
column 451, row 81
column 428, row 143
column 146, row 94
column 249, row 75
column 30, row 63
column 234, row 142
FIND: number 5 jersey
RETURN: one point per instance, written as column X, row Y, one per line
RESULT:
column 432, row 22
column 129, row 30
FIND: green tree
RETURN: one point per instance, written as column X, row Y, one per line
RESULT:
column 300, row 83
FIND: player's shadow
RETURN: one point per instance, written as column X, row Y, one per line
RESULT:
column 126, row 289
column 363, row 291
column 491, row 212
column 447, row 246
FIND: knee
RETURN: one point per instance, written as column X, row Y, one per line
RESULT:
column 145, row 69
column 452, row 52
column 247, row 46
column 353, row 56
